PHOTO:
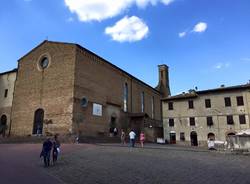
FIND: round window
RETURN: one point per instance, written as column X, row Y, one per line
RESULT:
column 44, row 63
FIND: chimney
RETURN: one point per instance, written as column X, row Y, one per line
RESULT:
column 163, row 85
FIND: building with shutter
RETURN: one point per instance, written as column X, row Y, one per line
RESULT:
column 194, row 117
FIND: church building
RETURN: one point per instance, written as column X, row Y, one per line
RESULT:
column 63, row 88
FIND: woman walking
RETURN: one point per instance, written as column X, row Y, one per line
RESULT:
column 142, row 139
column 56, row 149
column 123, row 137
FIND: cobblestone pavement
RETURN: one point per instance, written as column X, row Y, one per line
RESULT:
column 122, row 165
column 113, row 164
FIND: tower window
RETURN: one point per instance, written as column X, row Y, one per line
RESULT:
column 5, row 93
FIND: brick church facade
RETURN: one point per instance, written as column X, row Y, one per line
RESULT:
column 63, row 88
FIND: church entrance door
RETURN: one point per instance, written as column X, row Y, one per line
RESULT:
column 38, row 122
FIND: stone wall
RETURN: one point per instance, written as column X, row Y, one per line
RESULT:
column 7, row 82
column 50, row 89
column 103, row 84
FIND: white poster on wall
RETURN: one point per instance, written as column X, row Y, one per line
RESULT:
column 97, row 109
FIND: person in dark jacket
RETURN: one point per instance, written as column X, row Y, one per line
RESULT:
column 56, row 149
column 46, row 150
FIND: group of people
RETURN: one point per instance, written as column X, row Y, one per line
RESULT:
column 50, row 146
column 132, row 138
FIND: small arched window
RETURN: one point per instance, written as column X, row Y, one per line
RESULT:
column 3, row 120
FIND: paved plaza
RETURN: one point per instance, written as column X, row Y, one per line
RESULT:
column 111, row 164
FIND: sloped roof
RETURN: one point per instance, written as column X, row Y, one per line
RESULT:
column 7, row 72
column 195, row 94
column 92, row 53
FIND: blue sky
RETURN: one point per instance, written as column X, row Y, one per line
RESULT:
column 205, row 43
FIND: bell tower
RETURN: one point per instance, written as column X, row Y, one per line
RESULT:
column 163, row 85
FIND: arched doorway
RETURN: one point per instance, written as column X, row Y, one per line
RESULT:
column 231, row 134
column 3, row 125
column 38, row 121
column 211, row 136
column 172, row 137
column 194, row 138
column 230, row 138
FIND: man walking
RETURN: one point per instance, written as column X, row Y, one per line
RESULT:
column 46, row 150
column 132, row 138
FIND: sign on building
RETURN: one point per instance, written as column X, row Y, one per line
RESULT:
column 97, row 109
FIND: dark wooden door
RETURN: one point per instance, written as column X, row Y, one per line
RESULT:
column 38, row 121
column 194, row 139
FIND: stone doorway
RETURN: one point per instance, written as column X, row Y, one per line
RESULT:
column 3, row 125
column 172, row 138
column 38, row 122
column 194, row 138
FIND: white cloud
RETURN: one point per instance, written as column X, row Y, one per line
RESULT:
column 219, row 66
column 99, row 10
column 182, row 34
column 128, row 29
column 167, row 2
column 200, row 27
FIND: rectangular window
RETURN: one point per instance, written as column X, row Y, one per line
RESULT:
column 142, row 102
column 227, row 101
column 170, row 106
column 210, row 121
column 230, row 120
column 182, row 136
column 192, row 121
column 5, row 93
column 240, row 101
column 125, row 98
column 171, row 122
column 242, row 119
column 153, row 107
column 190, row 104
column 208, row 103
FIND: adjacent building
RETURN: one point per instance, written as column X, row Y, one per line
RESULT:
column 193, row 118
column 63, row 88
column 7, row 84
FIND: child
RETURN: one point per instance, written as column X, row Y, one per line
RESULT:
column 142, row 138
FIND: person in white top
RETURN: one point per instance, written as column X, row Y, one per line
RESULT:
column 132, row 136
